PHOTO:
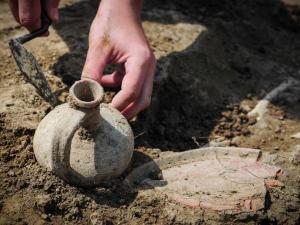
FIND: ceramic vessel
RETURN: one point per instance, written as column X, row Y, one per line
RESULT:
column 224, row 180
column 82, row 141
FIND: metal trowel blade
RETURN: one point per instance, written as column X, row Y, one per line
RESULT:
column 32, row 71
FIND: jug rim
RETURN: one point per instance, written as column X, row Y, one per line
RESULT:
column 86, row 93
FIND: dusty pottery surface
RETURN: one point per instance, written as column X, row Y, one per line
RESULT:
column 220, row 179
column 84, row 142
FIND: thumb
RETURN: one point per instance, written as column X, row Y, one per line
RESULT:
column 94, row 64
column 51, row 6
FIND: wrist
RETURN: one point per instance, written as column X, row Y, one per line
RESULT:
column 121, row 6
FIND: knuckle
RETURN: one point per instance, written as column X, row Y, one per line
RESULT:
column 146, row 54
column 131, row 95
column 146, row 103
column 27, row 21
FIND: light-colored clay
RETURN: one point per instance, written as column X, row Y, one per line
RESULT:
column 221, row 179
column 84, row 142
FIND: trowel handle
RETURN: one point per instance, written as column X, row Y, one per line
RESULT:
column 46, row 22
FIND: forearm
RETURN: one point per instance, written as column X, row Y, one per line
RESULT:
column 122, row 5
column 114, row 16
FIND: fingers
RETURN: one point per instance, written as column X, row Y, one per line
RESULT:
column 97, row 54
column 136, row 69
column 13, row 4
column 144, row 100
column 30, row 14
column 51, row 7
column 113, row 80
column 94, row 64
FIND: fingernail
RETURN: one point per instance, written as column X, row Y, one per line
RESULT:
column 85, row 75
column 54, row 15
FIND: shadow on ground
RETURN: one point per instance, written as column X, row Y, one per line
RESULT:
column 244, row 53
column 115, row 192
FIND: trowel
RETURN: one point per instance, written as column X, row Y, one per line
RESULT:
column 29, row 65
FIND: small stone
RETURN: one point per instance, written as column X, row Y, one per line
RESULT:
column 122, row 201
column 228, row 134
column 278, row 130
column 11, row 173
column 9, row 104
column 295, row 156
column 94, row 219
column 43, row 202
column 44, row 216
column 274, row 183
column 74, row 211
column 58, row 190
column 245, row 108
column 245, row 131
column 226, row 114
column 21, row 184
column 252, row 120
column 292, row 206
column 296, row 136
column 235, row 141
column 48, row 185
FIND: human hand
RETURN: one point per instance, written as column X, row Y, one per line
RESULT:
column 117, row 37
column 28, row 12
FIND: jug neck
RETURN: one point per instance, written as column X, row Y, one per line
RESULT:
column 86, row 94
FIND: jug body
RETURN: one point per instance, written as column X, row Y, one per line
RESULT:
column 84, row 142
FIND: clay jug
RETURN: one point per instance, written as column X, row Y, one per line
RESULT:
column 82, row 141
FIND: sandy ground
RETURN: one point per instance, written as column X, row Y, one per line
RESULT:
column 216, row 60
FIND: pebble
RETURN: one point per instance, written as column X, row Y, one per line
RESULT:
column 21, row 184
column 245, row 107
column 278, row 130
column 11, row 173
column 58, row 190
column 122, row 201
column 9, row 104
column 296, row 136
column 44, row 216
column 295, row 156
column 252, row 120
column 94, row 218
column 292, row 206
column 43, row 201
column 226, row 114
column 48, row 185
column 74, row 211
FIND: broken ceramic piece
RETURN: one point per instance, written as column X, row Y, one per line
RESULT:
column 84, row 142
column 221, row 179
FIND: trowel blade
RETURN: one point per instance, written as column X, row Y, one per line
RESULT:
column 32, row 71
